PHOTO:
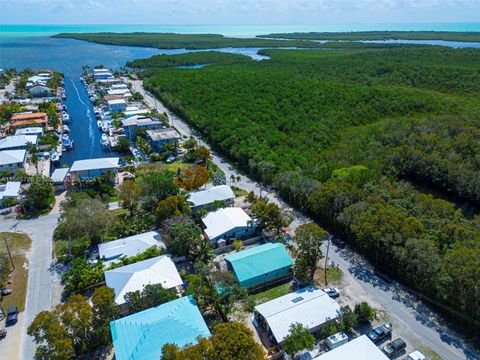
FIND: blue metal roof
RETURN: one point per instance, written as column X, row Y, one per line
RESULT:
column 259, row 260
column 141, row 336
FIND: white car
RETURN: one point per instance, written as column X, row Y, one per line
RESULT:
column 332, row 292
column 416, row 355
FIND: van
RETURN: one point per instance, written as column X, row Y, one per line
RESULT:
column 416, row 355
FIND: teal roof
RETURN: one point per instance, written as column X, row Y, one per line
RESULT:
column 259, row 260
column 141, row 336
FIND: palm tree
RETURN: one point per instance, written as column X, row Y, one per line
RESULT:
column 34, row 160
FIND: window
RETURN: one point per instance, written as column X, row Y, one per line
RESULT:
column 297, row 299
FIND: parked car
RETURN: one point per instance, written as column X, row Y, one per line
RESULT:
column 395, row 348
column 416, row 355
column 12, row 316
column 332, row 292
column 170, row 159
column 380, row 333
column 5, row 292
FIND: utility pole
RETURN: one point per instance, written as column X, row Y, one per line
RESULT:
column 326, row 259
column 9, row 253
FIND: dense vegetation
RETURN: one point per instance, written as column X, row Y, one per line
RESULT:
column 181, row 41
column 379, row 35
column 339, row 132
column 188, row 59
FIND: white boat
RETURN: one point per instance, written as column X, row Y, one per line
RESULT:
column 54, row 156
column 99, row 124
column 92, row 99
column 65, row 128
column 64, row 96
column 66, row 117
column 65, row 137
column 104, row 128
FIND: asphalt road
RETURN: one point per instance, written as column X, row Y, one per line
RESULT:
column 420, row 319
column 40, row 278
column 407, row 310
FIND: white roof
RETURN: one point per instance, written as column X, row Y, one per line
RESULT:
column 95, row 164
column 16, row 141
column 208, row 196
column 12, row 156
column 58, row 176
column 29, row 131
column 223, row 220
column 139, row 120
column 416, row 355
column 118, row 92
column 116, row 101
column 133, row 277
column 119, row 86
column 112, row 251
column 309, row 306
column 10, row 189
column 360, row 348
column 100, row 70
column 136, row 112
column 38, row 77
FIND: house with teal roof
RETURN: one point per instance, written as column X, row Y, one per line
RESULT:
column 141, row 336
column 261, row 266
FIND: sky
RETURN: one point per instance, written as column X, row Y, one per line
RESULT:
column 237, row 12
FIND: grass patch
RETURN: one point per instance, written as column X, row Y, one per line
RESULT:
column 429, row 353
column 159, row 166
column 19, row 244
column 272, row 293
column 334, row 276
column 253, row 300
column 238, row 191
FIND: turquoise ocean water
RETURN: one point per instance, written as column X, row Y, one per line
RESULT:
column 238, row 30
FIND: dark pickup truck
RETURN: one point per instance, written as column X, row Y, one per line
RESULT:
column 395, row 348
column 380, row 333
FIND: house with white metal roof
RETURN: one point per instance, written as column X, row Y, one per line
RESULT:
column 159, row 137
column 228, row 223
column 11, row 160
column 39, row 90
column 112, row 251
column 10, row 190
column 203, row 199
column 60, row 178
column 310, row 306
column 124, row 92
column 118, row 105
column 82, row 170
column 131, row 124
column 17, row 142
column 133, row 277
column 360, row 348
column 30, row 131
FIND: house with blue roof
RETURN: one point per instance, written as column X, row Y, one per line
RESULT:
column 141, row 336
column 261, row 266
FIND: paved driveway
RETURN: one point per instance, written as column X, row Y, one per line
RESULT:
column 41, row 279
